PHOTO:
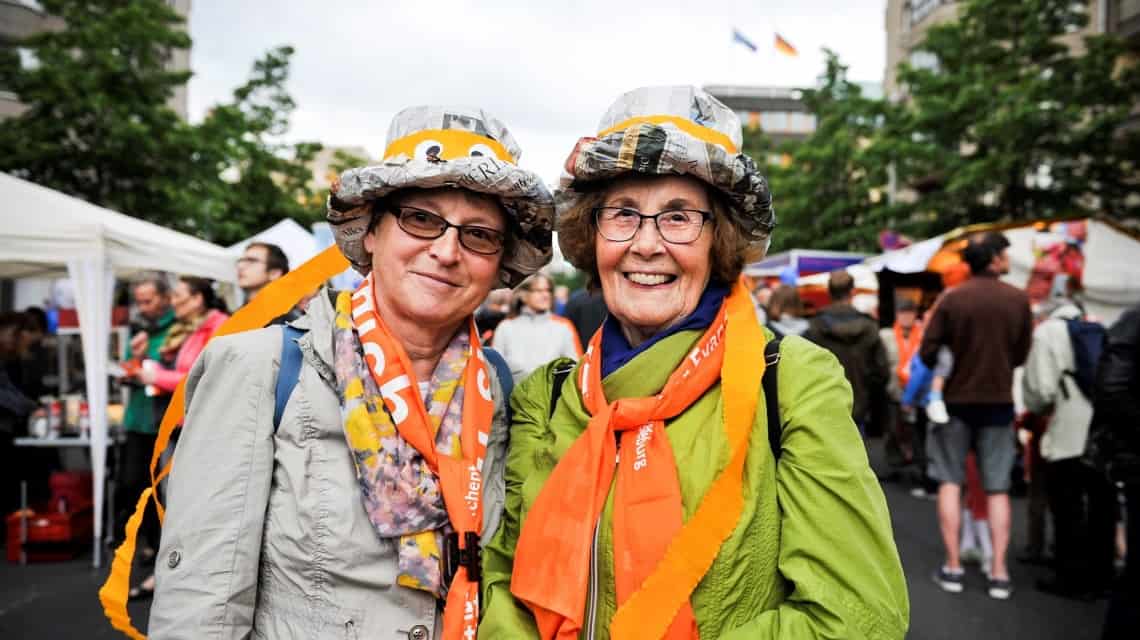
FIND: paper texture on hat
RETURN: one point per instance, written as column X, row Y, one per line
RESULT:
column 524, row 196
column 664, row 148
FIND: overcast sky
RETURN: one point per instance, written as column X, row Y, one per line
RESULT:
column 547, row 69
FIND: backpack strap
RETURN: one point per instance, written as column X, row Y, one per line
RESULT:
column 503, row 371
column 772, row 395
column 288, row 373
column 561, row 371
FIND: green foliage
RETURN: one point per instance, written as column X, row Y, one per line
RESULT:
column 1012, row 125
column 829, row 196
column 98, row 125
column 572, row 280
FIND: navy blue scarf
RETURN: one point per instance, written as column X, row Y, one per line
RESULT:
column 616, row 350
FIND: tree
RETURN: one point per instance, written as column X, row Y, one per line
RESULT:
column 243, row 179
column 828, row 195
column 98, row 126
column 1010, row 124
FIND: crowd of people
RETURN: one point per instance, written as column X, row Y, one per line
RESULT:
column 450, row 447
column 468, row 449
column 985, row 379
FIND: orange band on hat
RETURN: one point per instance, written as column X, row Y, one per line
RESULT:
column 712, row 136
column 452, row 144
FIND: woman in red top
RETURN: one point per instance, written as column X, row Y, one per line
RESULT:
column 199, row 313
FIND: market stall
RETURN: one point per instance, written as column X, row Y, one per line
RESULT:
column 813, row 288
column 44, row 233
column 1104, row 256
column 798, row 263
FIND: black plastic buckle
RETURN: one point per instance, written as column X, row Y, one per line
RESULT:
column 470, row 556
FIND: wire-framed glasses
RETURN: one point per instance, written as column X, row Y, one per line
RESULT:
column 426, row 225
column 676, row 226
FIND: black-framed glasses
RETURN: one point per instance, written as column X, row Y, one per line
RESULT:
column 676, row 226
column 425, row 225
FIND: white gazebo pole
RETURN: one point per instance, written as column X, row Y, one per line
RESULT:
column 94, row 286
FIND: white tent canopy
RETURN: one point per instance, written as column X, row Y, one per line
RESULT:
column 1111, row 277
column 46, row 233
column 298, row 244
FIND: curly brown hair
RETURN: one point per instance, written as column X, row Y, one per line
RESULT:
column 729, row 252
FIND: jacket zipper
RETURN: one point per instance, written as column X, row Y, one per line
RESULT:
column 592, row 594
column 592, row 607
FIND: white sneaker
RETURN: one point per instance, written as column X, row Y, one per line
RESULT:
column 1000, row 589
column 936, row 412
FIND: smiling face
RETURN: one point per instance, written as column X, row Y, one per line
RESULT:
column 187, row 304
column 433, row 283
column 649, row 284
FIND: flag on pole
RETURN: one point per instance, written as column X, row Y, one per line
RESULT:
column 785, row 47
column 740, row 37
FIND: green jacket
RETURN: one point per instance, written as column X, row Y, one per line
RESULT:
column 813, row 554
column 141, row 415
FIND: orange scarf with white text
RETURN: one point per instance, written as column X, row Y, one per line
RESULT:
column 658, row 558
column 460, row 474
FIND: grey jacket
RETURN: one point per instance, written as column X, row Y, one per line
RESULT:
column 265, row 535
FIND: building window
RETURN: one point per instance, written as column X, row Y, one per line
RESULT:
column 920, row 59
column 28, row 59
column 921, row 9
column 803, row 123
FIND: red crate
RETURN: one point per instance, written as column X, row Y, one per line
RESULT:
column 72, row 486
column 52, row 536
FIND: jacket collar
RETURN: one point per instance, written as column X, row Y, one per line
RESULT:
column 317, row 323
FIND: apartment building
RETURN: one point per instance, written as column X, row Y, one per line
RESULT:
column 907, row 22
column 777, row 111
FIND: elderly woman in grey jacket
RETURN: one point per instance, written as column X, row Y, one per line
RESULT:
column 361, row 513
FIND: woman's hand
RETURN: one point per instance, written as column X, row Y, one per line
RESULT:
column 146, row 375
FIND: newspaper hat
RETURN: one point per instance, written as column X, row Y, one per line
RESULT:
column 460, row 147
column 672, row 130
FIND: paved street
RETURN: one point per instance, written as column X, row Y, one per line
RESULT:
column 53, row 601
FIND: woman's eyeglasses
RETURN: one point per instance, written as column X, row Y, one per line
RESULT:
column 676, row 226
column 426, row 225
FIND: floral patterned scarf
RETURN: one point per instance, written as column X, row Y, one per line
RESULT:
column 400, row 493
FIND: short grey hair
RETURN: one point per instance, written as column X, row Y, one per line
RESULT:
column 153, row 278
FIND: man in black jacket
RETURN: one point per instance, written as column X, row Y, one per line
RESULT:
column 1116, row 433
column 854, row 339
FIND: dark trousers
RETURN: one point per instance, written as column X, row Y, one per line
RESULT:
column 1084, row 507
column 1123, row 617
column 905, row 442
column 135, row 478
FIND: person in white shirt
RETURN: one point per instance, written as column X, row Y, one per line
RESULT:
column 535, row 336
column 1080, row 498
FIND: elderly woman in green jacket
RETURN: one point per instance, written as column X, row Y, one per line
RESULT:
column 652, row 492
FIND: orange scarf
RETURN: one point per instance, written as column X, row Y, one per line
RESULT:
column 907, row 346
column 461, row 477
column 658, row 559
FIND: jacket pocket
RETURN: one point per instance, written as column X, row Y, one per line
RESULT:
column 285, row 616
